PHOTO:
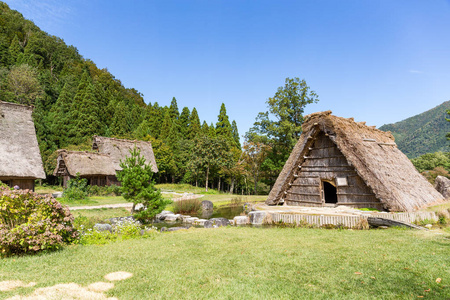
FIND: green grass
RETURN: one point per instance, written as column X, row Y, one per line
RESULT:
column 184, row 188
column 95, row 200
column 251, row 263
column 50, row 189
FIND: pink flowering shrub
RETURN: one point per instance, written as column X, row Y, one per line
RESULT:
column 30, row 223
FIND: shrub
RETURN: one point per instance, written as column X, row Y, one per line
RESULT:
column 76, row 189
column 30, row 223
column 187, row 206
column 123, row 230
column 95, row 190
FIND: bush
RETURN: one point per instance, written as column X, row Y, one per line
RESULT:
column 95, row 190
column 30, row 223
column 187, row 206
column 123, row 230
column 76, row 189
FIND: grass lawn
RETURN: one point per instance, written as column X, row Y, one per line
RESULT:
column 253, row 263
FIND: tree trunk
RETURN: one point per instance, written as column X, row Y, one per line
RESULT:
column 207, row 175
column 232, row 185
column 218, row 187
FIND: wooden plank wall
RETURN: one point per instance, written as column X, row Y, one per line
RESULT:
column 349, row 221
column 324, row 162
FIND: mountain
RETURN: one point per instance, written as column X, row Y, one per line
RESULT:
column 423, row 133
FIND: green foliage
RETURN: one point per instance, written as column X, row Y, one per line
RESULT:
column 23, row 83
column 76, row 189
column 429, row 161
column 138, row 187
column 423, row 133
column 95, row 190
column 123, row 230
column 30, row 223
column 287, row 106
column 223, row 127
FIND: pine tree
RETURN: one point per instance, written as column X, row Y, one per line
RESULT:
column 174, row 113
column 184, row 122
column 137, row 186
column 194, row 122
column 235, row 133
column 59, row 117
column 15, row 51
column 166, row 126
column 205, row 128
column 212, row 131
column 120, row 124
column 223, row 126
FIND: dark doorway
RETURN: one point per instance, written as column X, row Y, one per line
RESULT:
column 329, row 192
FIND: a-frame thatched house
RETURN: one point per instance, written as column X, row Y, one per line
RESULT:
column 341, row 162
column 20, row 159
column 100, row 167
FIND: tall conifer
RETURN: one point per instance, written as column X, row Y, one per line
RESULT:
column 235, row 133
column 184, row 122
column 194, row 122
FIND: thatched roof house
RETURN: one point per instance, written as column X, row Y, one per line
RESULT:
column 100, row 167
column 20, row 159
column 339, row 161
column 118, row 149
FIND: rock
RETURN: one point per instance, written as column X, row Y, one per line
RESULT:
column 162, row 216
column 172, row 218
column 200, row 222
column 206, row 214
column 208, row 224
column 57, row 194
column 139, row 207
column 442, row 185
column 248, row 207
column 428, row 226
column 220, row 221
column 183, row 218
column 191, row 220
column 257, row 217
column 103, row 227
column 207, row 206
column 176, row 228
column 231, row 222
column 241, row 220
column 163, row 229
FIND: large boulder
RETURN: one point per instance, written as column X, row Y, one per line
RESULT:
column 257, row 217
column 103, row 227
column 442, row 185
column 172, row 218
column 220, row 221
column 207, row 206
column 241, row 220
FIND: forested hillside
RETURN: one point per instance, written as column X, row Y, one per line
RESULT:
column 423, row 133
column 75, row 100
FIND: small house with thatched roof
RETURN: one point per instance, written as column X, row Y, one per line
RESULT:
column 20, row 159
column 118, row 149
column 338, row 161
column 100, row 166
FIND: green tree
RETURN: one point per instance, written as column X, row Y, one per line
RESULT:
column 235, row 134
column 223, row 126
column 209, row 154
column 184, row 122
column 287, row 106
column 194, row 122
column 174, row 113
column 24, row 84
column 138, row 186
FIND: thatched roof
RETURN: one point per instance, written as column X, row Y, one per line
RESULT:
column 19, row 150
column 119, row 149
column 83, row 162
column 375, row 157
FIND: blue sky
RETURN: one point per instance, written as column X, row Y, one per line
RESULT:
column 376, row 61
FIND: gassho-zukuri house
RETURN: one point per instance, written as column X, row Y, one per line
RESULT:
column 100, row 167
column 338, row 161
column 20, row 159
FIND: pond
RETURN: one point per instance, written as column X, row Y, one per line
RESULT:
column 226, row 211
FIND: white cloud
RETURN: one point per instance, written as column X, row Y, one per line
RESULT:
column 49, row 15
